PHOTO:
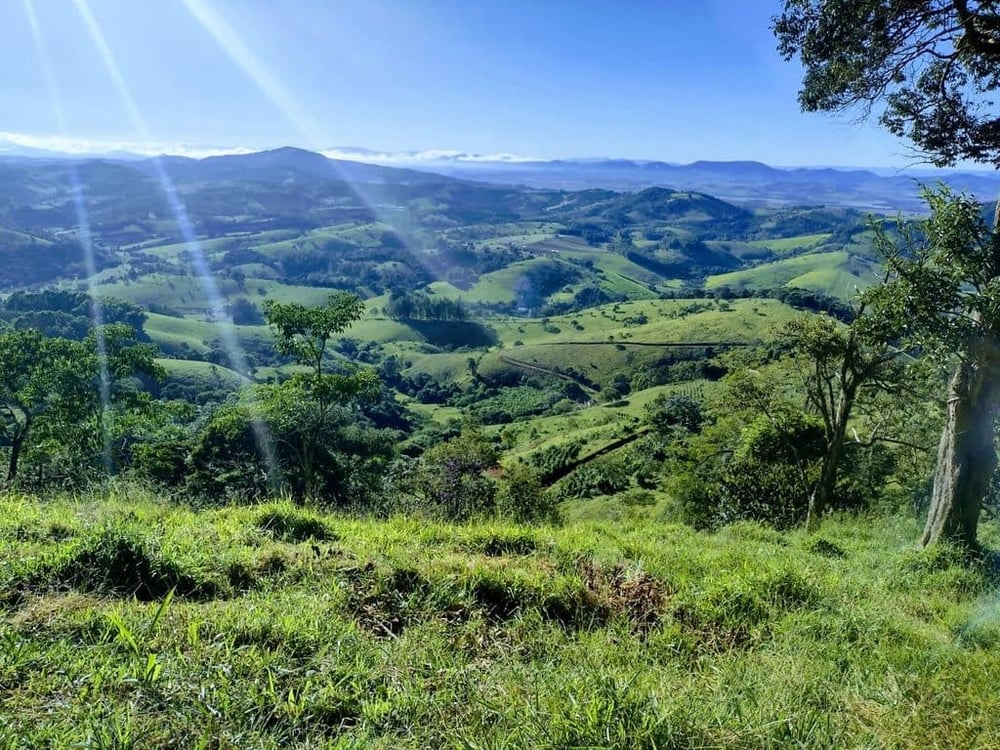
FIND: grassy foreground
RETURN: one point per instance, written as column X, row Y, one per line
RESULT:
column 128, row 622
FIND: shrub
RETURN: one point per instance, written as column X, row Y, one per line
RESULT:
column 162, row 461
column 605, row 476
column 450, row 479
column 521, row 497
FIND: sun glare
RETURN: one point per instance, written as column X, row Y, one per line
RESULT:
column 233, row 45
column 83, row 229
column 207, row 280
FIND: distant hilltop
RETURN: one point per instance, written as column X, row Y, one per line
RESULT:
column 749, row 183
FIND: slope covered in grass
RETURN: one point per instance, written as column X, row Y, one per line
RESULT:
column 271, row 626
column 839, row 274
column 599, row 343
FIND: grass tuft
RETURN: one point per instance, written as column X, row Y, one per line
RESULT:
column 820, row 546
column 501, row 544
column 119, row 561
column 293, row 525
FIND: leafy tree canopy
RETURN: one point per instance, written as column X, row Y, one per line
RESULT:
column 935, row 65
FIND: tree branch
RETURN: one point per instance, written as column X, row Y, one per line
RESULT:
column 973, row 35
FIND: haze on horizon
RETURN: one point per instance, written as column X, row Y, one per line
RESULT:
column 672, row 81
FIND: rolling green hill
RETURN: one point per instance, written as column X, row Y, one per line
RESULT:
column 565, row 293
column 836, row 273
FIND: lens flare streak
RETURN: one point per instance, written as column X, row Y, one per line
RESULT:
column 86, row 240
column 177, row 207
column 233, row 45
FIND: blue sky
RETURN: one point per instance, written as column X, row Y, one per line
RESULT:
column 677, row 80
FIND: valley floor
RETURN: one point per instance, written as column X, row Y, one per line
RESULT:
column 130, row 622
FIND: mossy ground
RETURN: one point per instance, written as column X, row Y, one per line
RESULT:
column 130, row 622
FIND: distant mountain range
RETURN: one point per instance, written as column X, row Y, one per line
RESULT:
column 748, row 183
column 745, row 182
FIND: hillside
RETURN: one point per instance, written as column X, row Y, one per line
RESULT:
column 743, row 182
column 295, row 217
column 559, row 302
column 151, row 625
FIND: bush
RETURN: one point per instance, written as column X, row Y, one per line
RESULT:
column 521, row 497
column 606, row 476
column 450, row 480
column 164, row 461
column 772, row 471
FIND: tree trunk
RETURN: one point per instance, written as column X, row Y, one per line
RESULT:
column 308, row 472
column 16, row 445
column 966, row 458
column 15, row 454
column 822, row 494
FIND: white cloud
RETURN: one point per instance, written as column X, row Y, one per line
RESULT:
column 27, row 143
column 24, row 144
column 433, row 156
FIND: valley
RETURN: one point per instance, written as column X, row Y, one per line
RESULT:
column 414, row 458
column 632, row 383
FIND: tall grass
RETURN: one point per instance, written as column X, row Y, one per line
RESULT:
column 274, row 626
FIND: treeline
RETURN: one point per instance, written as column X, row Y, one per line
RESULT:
column 800, row 299
column 403, row 305
column 73, row 412
column 337, row 263
column 68, row 314
column 29, row 261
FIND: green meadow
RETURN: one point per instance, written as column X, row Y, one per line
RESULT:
column 131, row 622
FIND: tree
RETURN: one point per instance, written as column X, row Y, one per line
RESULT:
column 838, row 366
column 25, row 389
column 51, row 389
column 678, row 412
column 451, row 477
column 304, row 332
column 754, row 455
column 244, row 312
column 521, row 496
column 933, row 65
column 303, row 407
column 944, row 295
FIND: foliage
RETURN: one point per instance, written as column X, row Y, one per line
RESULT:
column 605, row 476
column 274, row 437
column 244, row 312
column 450, row 480
column 513, row 403
column 772, row 470
column 932, row 63
column 942, row 295
column 303, row 333
column 69, row 404
column 554, row 459
column 522, row 498
column 759, row 456
column 842, row 368
column 420, row 306
column 677, row 412
column 321, row 457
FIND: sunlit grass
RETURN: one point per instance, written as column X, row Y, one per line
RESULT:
column 294, row 627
